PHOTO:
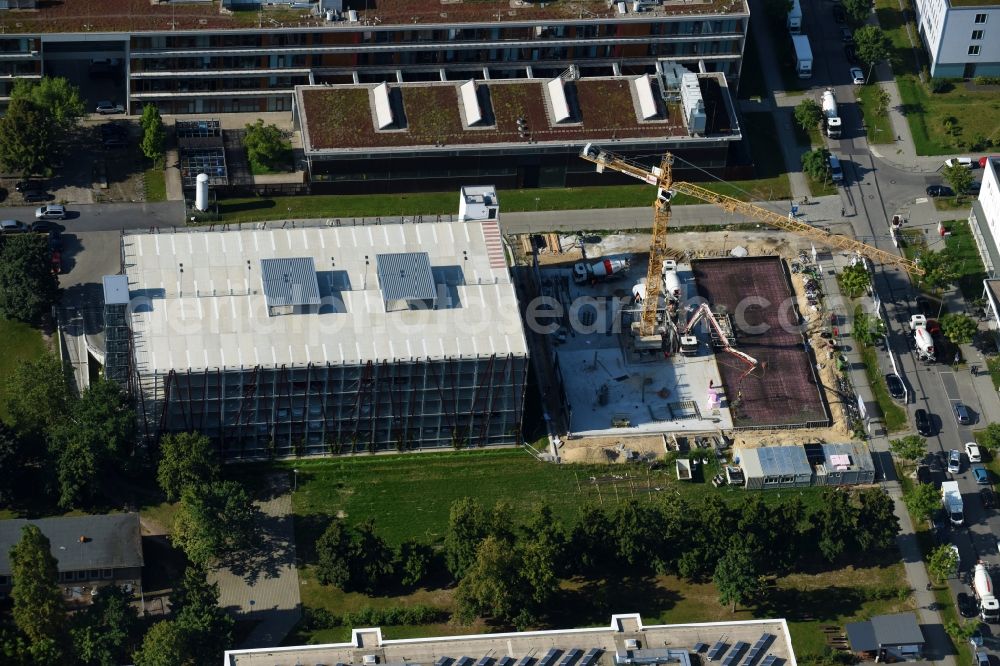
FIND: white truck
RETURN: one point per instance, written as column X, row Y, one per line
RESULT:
column 951, row 498
column 803, row 56
column 922, row 338
column 603, row 269
column 794, row 22
column 831, row 121
column 982, row 585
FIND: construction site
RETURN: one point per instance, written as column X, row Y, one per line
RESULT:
column 712, row 339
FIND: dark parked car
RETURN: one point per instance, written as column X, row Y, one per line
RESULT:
column 25, row 185
column 851, row 54
column 988, row 497
column 43, row 227
column 962, row 414
column 839, row 15
column 846, row 36
column 974, row 187
column 36, row 196
column 895, row 385
column 940, row 191
column 923, row 474
column 967, row 605
column 923, row 422
column 55, row 241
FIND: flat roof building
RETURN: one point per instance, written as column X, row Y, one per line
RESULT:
column 327, row 339
column 248, row 56
column 625, row 641
column 411, row 136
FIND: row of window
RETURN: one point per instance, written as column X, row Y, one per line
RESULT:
column 73, row 576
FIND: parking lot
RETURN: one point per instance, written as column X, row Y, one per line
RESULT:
column 92, row 168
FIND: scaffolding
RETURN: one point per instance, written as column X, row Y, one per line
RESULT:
column 265, row 412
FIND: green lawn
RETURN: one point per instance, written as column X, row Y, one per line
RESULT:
column 17, row 342
column 970, row 264
column 993, row 365
column 895, row 416
column 443, row 203
column 953, row 203
column 821, row 189
column 156, row 184
column 877, row 126
column 905, row 59
column 975, row 113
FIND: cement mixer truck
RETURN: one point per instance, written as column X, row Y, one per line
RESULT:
column 603, row 269
column 831, row 121
column 922, row 339
column 982, row 585
column 671, row 282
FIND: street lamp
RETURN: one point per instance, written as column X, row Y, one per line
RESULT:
column 295, row 480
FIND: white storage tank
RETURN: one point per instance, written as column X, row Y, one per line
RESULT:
column 201, row 192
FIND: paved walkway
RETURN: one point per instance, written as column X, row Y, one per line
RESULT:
column 264, row 585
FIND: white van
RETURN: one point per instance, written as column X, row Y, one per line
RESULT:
column 836, row 172
column 964, row 161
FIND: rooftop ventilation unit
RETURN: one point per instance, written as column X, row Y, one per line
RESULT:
column 406, row 276
column 290, row 285
column 694, row 105
column 383, row 109
column 470, row 102
column 557, row 98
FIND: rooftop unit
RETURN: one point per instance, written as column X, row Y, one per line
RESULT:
column 557, row 99
column 694, row 105
column 384, row 117
column 470, row 103
column 478, row 203
column 647, row 101
column 289, row 285
column 406, row 277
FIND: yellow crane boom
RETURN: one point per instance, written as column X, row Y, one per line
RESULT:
column 662, row 177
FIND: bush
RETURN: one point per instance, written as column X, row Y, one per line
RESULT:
column 987, row 80
column 320, row 618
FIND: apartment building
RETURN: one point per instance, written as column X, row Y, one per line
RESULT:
column 211, row 57
column 962, row 37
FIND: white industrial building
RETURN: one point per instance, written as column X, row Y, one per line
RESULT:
column 626, row 641
column 326, row 339
column 961, row 37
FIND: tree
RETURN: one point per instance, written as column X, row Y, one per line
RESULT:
column 959, row 177
column 922, row 500
column 882, row 100
column 989, row 438
column 493, row 587
column 871, row 42
column 816, row 164
column 28, row 289
column 163, row 645
column 878, row 524
column 855, row 280
column 736, row 578
column 942, row 562
column 37, row 395
column 468, row 524
column 186, row 459
column 808, row 114
column 265, row 145
column 961, row 633
column 28, row 135
column 412, row 562
column 958, row 328
column 333, row 565
column 206, row 628
column 911, row 447
column 835, row 523
column 372, row 559
column 215, row 521
column 857, row 10
column 12, row 456
column 104, row 631
column 55, row 94
column 591, row 549
column 38, row 607
column 940, row 269
column 154, row 136
column 636, row 533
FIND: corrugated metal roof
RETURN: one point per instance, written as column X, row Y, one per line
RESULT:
column 898, row 629
column 782, row 460
column 112, row 541
column 860, row 457
column 290, row 281
column 405, row 276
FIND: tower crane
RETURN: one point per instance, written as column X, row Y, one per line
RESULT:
column 667, row 187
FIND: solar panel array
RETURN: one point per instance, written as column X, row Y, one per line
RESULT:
column 525, row 660
column 549, row 657
column 593, row 654
column 443, row 661
column 770, row 660
column 571, row 655
column 485, row 661
column 464, row 661
column 506, row 661
column 757, row 648
column 735, row 654
column 717, row 650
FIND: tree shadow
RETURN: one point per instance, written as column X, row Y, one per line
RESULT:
column 594, row 600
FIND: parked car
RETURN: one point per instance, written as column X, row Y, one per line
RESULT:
column 923, row 422
column 923, row 474
column 954, row 462
column 51, row 212
column 982, row 658
column 981, row 475
column 940, row 191
column 43, row 227
column 839, row 15
column 36, row 196
column 25, row 185
column 105, row 107
column 857, row 76
column 851, row 54
column 55, row 241
column 983, row 160
column 972, row 450
column 976, row 639
column 962, row 414
column 56, row 262
column 959, row 161
column 974, row 187
column 895, row 386
column 13, row 227
column 988, row 497
column 846, row 35
column 967, row 606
